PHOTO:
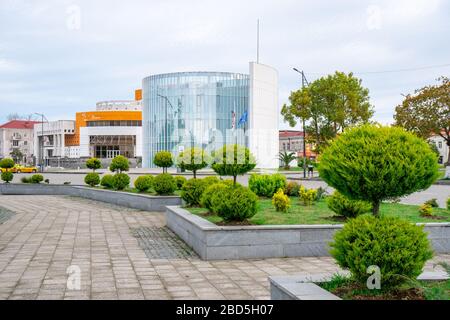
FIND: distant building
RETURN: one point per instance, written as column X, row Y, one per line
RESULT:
column 18, row 135
column 442, row 147
column 292, row 141
column 51, row 138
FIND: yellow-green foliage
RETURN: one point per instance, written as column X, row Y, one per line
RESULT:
column 307, row 196
column 426, row 210
column 281, row 201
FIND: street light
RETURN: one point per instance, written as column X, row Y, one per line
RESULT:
column 42, row 137
column 303, row 119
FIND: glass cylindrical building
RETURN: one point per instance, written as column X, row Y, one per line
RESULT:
column 187, row 109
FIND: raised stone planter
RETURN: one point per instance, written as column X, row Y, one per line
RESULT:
column 212, row 242
column 127, row 199
column 304, row 287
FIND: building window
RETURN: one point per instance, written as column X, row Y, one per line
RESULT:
column 440, row 144
column 15, row 143
column 25, row 143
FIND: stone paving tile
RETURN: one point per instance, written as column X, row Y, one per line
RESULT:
column 47, row 234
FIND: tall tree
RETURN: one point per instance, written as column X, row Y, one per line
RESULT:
column 329, row 104
column 427, row 111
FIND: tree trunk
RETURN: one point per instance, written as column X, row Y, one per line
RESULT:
column 376, row 208
column 234, row 180
column 195, row 173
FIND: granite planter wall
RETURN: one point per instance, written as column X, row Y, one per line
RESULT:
column 127, row 199
column 212, row 242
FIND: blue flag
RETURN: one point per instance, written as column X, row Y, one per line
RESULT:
column 243, row 118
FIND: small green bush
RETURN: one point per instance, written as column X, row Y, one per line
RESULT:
column 25, row 180
column 107, row 181
column 432, row 202
column 164, row 184
column 280, row 201
column 93, row 163
column 266, row 185
column 426, row 210
column 343, row 206
column 210, row 192
column 307, row 196
column 143, row 183
column 7, row 163
column 321, row 193
column 210, row 180
column 192, row 191
column 292, row 188
column 235, row 203
column 37, row 178
column 7, row 176
column 121, row 181
column 448, row 204
column 399, row 248
column 119, row 164
column 163, row 159
column 92, row 179
column 180, row 180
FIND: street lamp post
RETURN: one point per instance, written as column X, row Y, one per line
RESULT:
column 42, row 138
column 303, row 124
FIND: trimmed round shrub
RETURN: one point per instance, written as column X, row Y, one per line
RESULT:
column 346, row 207
column 307, row 196
column 210, row 192
column 192, row 191
column 7, row 176
column 375, row 163
column 119, row 164
column 233, row 160
column 143, row 183
column 121, row 181
column 180, row 180
column 399, row 248
column 280, row 201
column 292, row 189
column 163, row 159
column 107, row 181
column 25, row 179
column 235, row 203
column 7, row 163
column 93, row 163
column 92, row 179
column 193, row 159
column 37, row 178
column 265, row 185
column 164, row 184
column 426, row 210
column 211, row 180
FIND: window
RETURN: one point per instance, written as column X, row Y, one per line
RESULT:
column 440, row 144
column 25, row 143
column 15, row 143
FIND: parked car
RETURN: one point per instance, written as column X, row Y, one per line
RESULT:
column 21, row 169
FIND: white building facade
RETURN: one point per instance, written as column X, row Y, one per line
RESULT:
column 442, row 147
column 18, row 135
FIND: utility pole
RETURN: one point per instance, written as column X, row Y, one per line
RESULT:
column 42, row 140
column 303, row 124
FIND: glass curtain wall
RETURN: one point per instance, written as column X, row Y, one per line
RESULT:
column 193, row 109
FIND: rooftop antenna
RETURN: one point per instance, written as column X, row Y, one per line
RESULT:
column 257, row 41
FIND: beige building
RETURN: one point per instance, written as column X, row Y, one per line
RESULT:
column 17, row 137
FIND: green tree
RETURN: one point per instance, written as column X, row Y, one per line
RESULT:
column 163, row 159
column 330, row 105
column 119, row 164
column 7, row 163
column 233, row 160
column 17, row 155
column 375, row 163
column 93, row 164
column 193, row 159
column 286, row 158
column 427, row 111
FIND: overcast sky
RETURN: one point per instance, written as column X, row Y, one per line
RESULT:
column 60, row 57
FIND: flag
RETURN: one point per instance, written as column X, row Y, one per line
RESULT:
column 243, row 118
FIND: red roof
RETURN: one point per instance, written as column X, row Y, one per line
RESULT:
column 290, row 133
column 19, row 124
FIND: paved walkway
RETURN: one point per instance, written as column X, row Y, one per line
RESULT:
column 122, row 254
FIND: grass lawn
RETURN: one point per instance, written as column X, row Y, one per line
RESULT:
column 348, row 289
column 320, row 214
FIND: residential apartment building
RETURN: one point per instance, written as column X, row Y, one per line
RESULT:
column 18, row 135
